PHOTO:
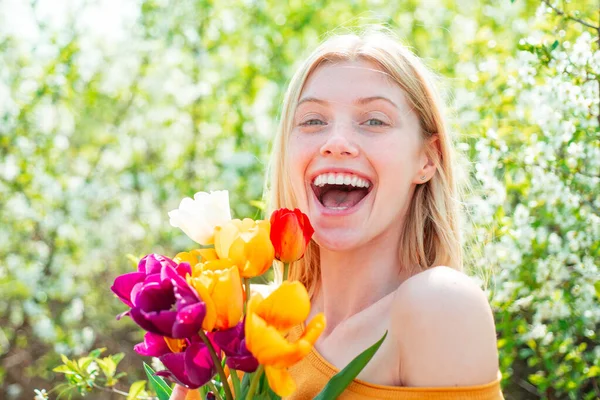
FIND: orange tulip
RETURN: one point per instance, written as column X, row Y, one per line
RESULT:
column 219, row 285
column 267, row 324
column 247, row 243
column 290, row 233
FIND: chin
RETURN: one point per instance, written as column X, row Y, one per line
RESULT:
column 339, row 239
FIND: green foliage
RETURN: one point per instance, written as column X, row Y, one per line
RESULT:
column 136, row 390
column 83, row 374
column 158, row 384
column 342, row 379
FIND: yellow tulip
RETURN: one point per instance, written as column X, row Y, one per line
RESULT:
column 247, row 243
column 267, row 324
column 195, row 256
column 219, row 285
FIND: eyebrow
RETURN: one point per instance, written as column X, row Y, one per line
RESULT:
column 361, row 101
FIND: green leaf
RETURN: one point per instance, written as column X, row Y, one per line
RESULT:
column 117, row 358
column 158, row 384
column 84, row 362
column 135, row 389
column 108, row 366
column 554, row 45
column 342, row 379
column 63, row 369
column 246, row 384
column 96, row 352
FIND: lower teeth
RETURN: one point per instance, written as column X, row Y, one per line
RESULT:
column 338, row 208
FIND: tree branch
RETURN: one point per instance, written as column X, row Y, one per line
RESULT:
column 562, row 13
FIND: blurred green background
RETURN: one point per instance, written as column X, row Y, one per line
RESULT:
column 112, row 111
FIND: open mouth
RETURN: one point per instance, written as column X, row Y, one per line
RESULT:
column 340, row 191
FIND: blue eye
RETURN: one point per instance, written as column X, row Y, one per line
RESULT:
column 312, row 122
column 376, row 122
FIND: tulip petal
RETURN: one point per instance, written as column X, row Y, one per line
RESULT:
column 292, row 244
column 307, row 228
column 210, row 318
column 183, row 269
column 154, row 297
column 188, row 257
column 286, row 307
column 207, row 254
column 229, row 339
column 218, row 201
column 198, row 364
column 224, row 237
column 119, row 316
column 124, row 284
column 153, row 346
column 280, row 381
column 153, row 263
column 176, row 370
column 188, row 219
column 242, row 363
column 189, row 320
column 269, row 346
column 160, row 322
column 232, row 342
column 258, row 251
column 314, row 329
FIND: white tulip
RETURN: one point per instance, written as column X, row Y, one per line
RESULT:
column 198, row 218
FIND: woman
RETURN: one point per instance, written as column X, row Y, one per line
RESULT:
column 364, row 151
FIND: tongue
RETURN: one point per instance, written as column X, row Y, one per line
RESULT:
column 342, row 198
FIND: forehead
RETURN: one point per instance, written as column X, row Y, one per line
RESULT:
column 345, row 81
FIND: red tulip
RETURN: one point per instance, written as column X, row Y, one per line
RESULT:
column 290, row 233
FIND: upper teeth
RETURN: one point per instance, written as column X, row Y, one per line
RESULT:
column 340, row 179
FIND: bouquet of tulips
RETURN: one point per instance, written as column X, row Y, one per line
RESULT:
column 200, row 317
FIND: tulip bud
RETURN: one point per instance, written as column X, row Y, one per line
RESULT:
column 290, row 233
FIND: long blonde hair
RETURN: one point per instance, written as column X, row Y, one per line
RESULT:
column 430, row 235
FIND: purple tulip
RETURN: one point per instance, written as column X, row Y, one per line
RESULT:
column 192, row 368
column 160, row 298
column 233, row 343
column 125, row 284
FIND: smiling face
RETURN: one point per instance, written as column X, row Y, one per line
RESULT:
column 355, row 154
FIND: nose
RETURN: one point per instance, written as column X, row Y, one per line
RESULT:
column 338, row 145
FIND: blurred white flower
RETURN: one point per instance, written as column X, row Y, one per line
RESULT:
column 198, row 218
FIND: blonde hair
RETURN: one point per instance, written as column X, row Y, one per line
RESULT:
column 430, row 234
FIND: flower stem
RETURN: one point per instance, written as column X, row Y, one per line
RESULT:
column 254, row 383
column 217, row 362
column 214, row 389
column 247, row 288
column 236, row 383
column 286, row 271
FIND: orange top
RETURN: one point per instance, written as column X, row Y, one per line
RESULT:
column 313, row 372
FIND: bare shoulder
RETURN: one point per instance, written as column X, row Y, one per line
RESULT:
column 444, row 328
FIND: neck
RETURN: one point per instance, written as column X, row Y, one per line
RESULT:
column 352, row 281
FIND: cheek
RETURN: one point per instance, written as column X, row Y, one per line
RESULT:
column 396, row 162
column 300, row 153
